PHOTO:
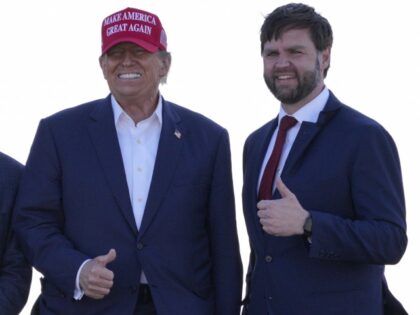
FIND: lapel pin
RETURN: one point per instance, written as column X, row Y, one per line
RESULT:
column 177, row 134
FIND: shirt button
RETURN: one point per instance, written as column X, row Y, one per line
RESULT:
column 139, row 169
column 138, row 141
column 139, row 199
column 268, row 258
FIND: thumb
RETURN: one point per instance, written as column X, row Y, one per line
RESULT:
column 106, row 259
column 282, row 188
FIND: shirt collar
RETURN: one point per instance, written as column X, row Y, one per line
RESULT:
column 310, row 111
column 118, row 110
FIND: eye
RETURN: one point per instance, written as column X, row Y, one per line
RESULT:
column 296, row 52
column 271, row 54
column 115, row 53
column 138, row 52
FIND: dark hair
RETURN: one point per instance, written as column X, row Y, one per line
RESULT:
column 297, row 16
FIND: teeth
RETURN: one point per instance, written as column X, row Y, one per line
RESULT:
column 129, row 76
column 285, row 77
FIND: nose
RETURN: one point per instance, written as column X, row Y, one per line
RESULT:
column 127, row 59
column 282, row 62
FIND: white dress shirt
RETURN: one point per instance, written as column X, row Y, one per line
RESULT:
column 138, row 144
column 309, row 112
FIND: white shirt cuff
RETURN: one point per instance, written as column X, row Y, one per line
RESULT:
column 78, row 292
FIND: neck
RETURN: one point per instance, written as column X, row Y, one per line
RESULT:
column 139, row 109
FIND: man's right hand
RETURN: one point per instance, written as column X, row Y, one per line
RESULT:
column 95, row 279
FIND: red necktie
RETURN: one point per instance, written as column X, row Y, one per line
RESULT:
column 266, row 186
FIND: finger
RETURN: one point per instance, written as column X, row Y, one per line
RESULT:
column 282, row 188
column 94, row 295
column 106, row 259
column 262, row 204
column 103, row 277
column 97, row 292
column 103, row 274
column 261, row 214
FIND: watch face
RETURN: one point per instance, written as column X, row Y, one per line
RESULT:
column 307, row 227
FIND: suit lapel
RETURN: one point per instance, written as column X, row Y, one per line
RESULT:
column 170, row 143
column 307, row 133
column 105, row 141
column 255, row 157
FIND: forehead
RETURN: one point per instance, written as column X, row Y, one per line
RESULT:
column 291, row 38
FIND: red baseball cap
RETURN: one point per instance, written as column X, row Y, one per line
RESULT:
column 135, row 26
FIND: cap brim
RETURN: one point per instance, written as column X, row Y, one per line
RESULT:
column 143, row 44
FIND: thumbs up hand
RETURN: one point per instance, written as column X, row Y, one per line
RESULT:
column 282, row 217
column 96, row 280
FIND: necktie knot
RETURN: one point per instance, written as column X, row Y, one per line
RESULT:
column 287, row 122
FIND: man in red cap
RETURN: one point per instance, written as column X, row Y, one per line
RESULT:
column 126, row 205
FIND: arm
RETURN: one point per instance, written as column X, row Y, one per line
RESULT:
column 377, row 233
column 227, row 266
column 15, row 279
column 40, row 217
column 15, row 271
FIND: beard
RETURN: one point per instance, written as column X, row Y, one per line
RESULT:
column 307, row 82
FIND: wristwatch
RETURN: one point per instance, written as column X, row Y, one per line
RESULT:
column 307, row 226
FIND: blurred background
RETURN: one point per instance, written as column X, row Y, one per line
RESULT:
column 49, row 61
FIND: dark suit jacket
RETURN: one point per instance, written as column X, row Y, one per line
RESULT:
column 345, row 170
column 15, row 271
column 74, row 204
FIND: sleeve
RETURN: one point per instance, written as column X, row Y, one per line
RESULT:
column 251, row 261
column 227, row 265
column 40, row 215
column 15, row 271
column 15, row 279
column 377, row 233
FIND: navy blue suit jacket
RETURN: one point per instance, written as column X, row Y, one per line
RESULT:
column 74, row 204
column 15, row 271
column 345, row 170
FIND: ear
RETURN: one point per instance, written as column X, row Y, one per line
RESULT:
column 166, row 64
column 325, row 58
column 102, row 61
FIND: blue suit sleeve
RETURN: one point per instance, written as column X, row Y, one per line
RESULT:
column 15, row 271
column 15, row 279
column 40, row 215
column 227, row 266
column 377, row 233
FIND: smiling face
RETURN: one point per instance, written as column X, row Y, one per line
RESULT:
column 132, row 73
column 293, row 68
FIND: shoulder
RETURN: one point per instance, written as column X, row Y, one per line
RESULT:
column 347, row 116
column 192, row 120
column 357, row 131
column 358, row 124
column 78, row 111
column 10, row 170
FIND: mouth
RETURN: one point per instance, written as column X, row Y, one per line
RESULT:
column 129, row 76
column 285, row 77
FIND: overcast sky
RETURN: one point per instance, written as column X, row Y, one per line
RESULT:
column 49, row 61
